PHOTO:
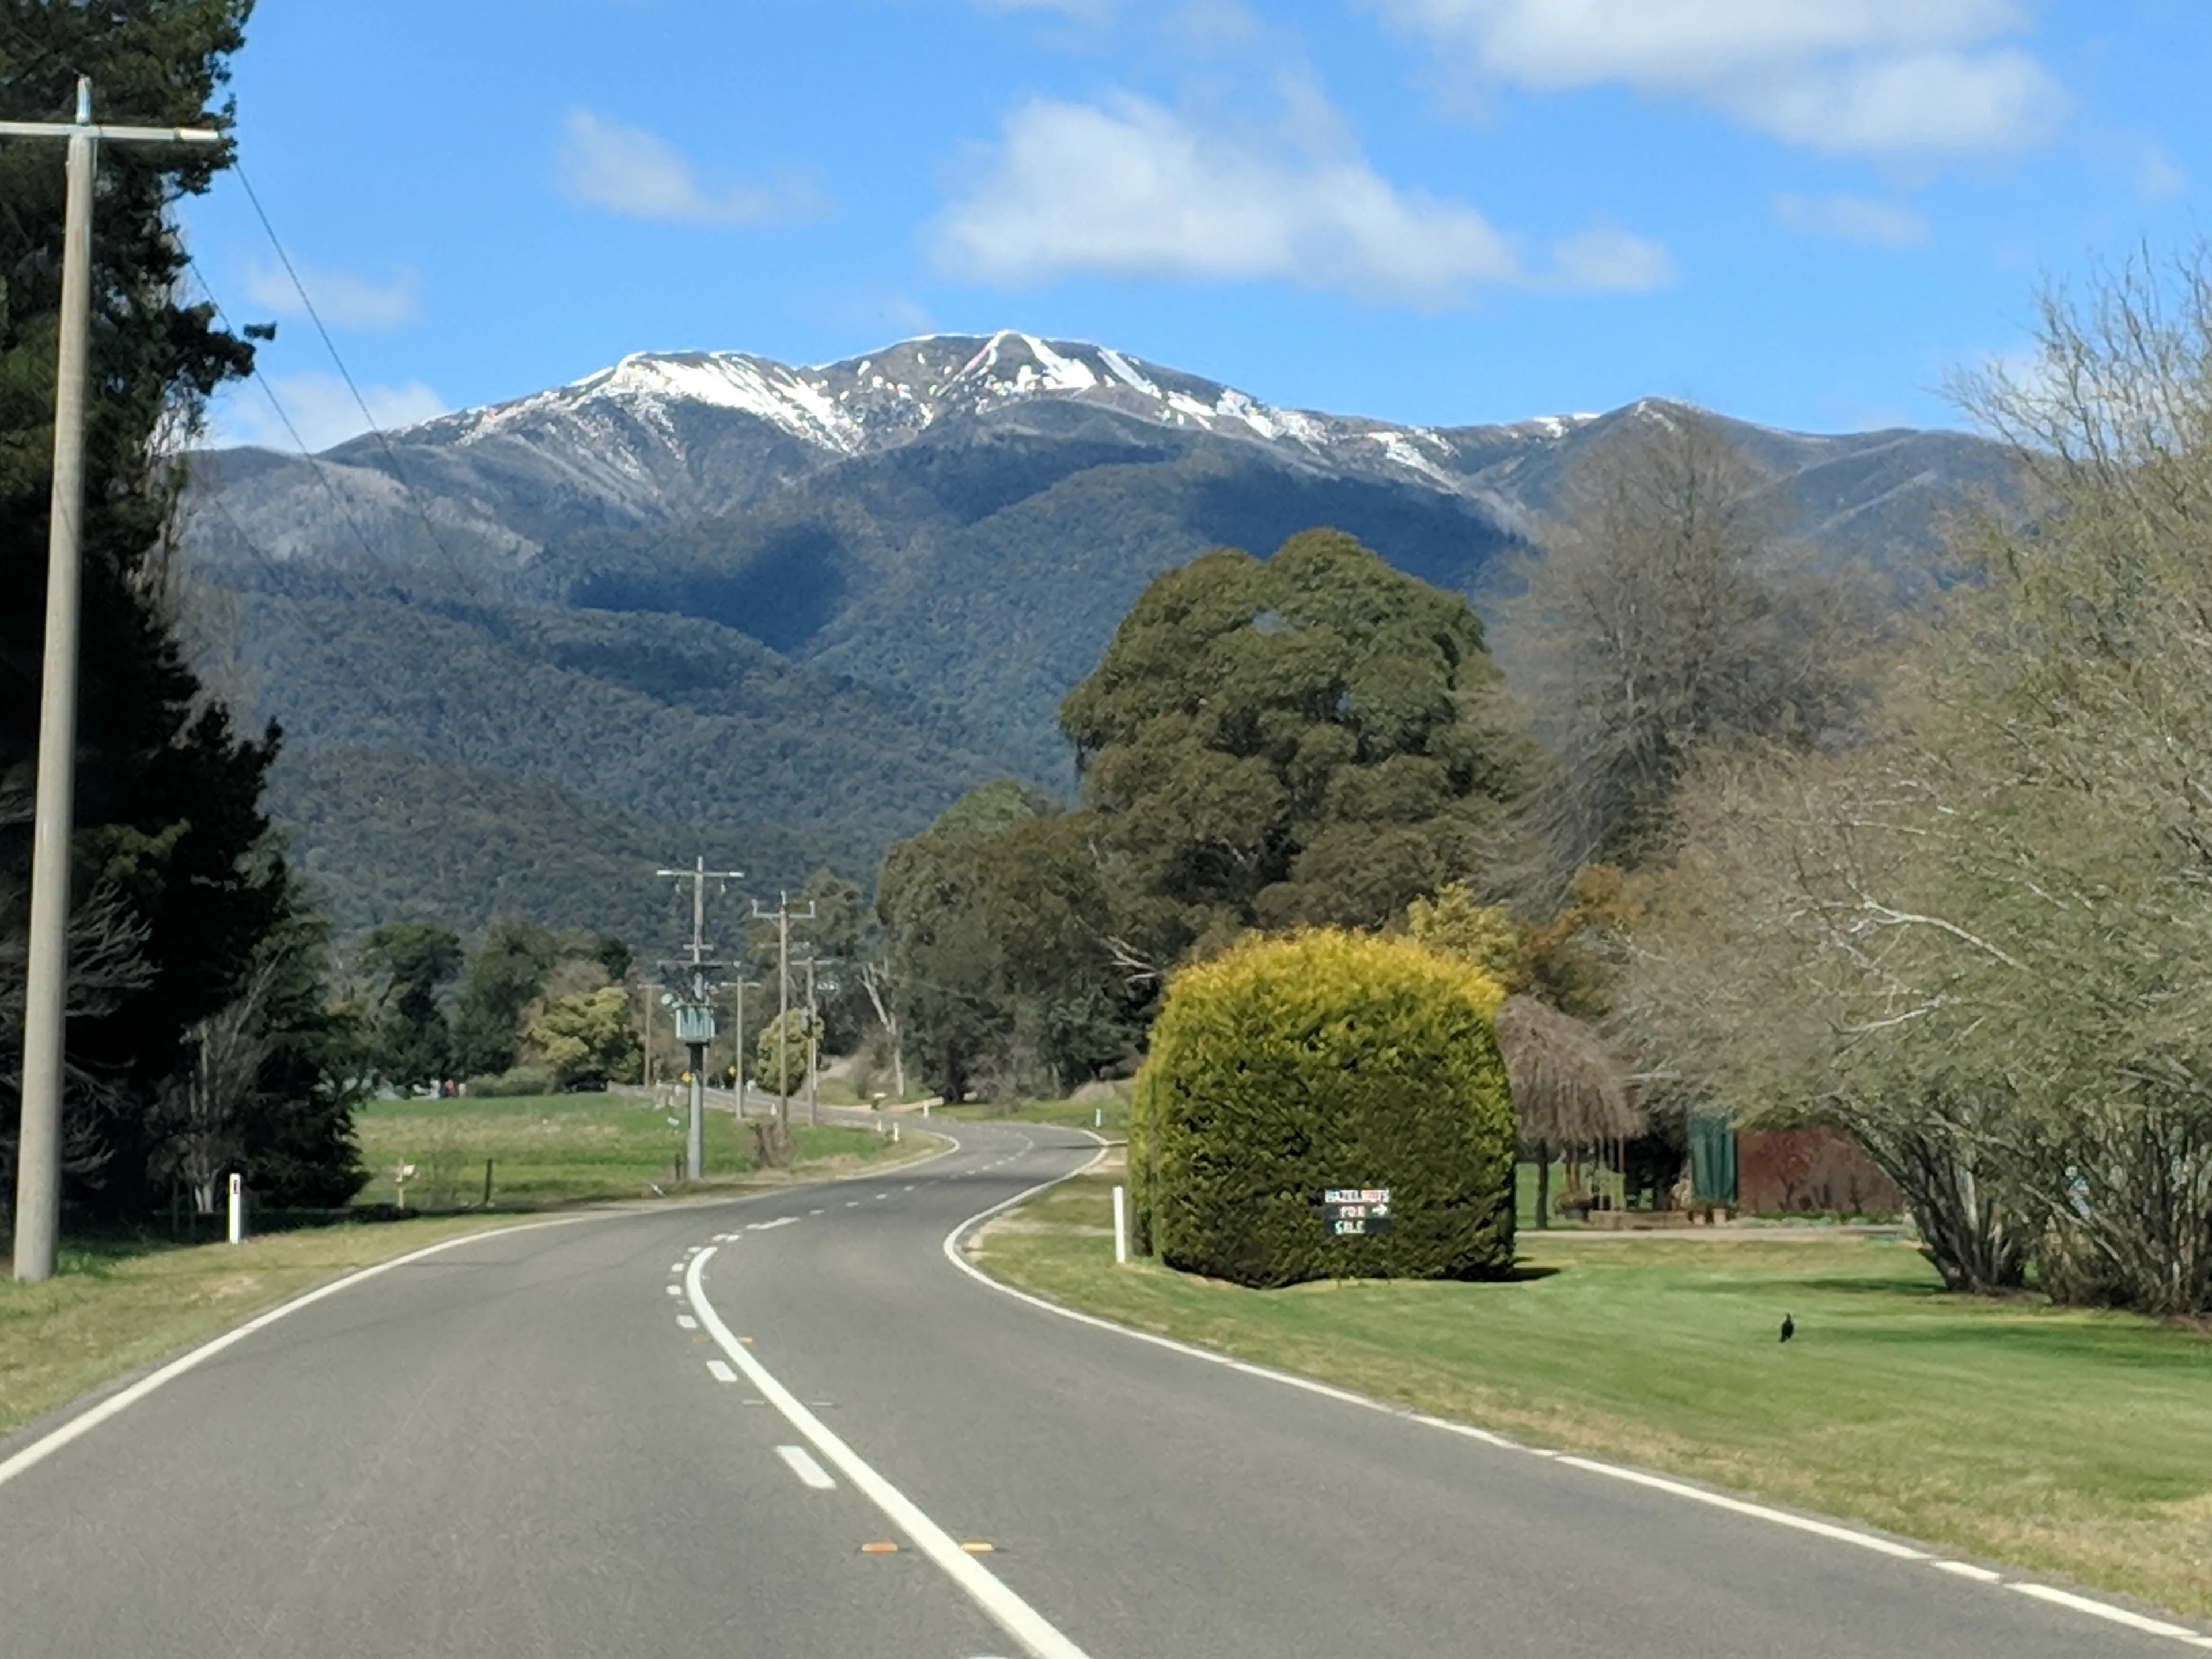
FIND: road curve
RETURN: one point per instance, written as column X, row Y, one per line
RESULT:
column 524, row 1444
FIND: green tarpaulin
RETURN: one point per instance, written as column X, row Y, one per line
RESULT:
column 1712, row 1161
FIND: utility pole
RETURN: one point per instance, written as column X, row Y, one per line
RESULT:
column 783, row 917
column 694, row 1015
column 742, row 985
column 46, row 987
column 645, row 994
column 813, row 1054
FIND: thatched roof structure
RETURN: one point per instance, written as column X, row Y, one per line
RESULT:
column 1568, row 1089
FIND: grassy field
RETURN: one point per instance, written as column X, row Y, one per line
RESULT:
column 118, row 1304
column 564, row 1148
column 2073, row 1443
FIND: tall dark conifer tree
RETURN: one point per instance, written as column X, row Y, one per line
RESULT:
column 168, row 815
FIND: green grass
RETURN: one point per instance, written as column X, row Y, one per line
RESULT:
column 560, row 1149
column 2070, row 1441
column 1068, row 1113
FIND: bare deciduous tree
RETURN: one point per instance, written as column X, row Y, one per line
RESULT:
column 1663, row 610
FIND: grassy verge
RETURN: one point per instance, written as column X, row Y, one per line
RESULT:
column 2073, row 1443
column 1067, row 1113
column 118, row 1304
column 558, row 1149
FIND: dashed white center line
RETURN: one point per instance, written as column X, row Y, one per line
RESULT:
column 806, row 1468
column 1038, row 1637
column 852, row 1203
column 673, row 1290
column 763, row 1226
column 684, row 1321
column 676, row 1266
column 721, row 1372
column 814, row 1212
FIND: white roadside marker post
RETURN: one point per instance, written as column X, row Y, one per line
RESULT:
column 237, row 1207
column 1121, row 1226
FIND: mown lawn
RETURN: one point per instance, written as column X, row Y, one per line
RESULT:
column 564, row 1148
column 2068, row 1441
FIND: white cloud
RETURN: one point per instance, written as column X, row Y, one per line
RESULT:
column 1605, row 257
column 1128, row 188
column 638, row 175
column 1081, row 11
column 321, row 408
column 344, row 299
column 1850, row 219
column 2158, row 175
column 1895, row 79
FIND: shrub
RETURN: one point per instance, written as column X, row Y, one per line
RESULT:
column 1287, row 1066
column 517, row 1081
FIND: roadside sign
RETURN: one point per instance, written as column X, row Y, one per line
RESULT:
column 1355, row 1211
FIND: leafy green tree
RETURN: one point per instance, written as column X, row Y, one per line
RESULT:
column 782, row 1040
column 504, row 976
column 412, row 1044
column 167, row 811
column 1454, row 923
column 586, row 1035
column 999, row 929
column 1311, row 738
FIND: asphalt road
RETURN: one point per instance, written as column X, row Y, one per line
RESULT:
column 524, row 1445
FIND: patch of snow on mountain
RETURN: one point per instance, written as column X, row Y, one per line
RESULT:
column 1055, row 372
column 729, row 381
column 1119, row 365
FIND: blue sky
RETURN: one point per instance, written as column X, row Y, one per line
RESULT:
column 1803, row 212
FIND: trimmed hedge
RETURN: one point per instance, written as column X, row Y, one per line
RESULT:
column 1290, row 1064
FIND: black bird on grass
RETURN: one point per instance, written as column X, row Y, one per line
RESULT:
column 1789, row 1327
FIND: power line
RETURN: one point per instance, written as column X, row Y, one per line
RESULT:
column 398, row 473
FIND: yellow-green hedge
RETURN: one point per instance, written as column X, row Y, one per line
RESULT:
column 1290, row 1064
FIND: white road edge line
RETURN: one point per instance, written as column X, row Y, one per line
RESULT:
column 1865, row 1540
column 1675, row 1488
column 806, row 1468
column 46, row 1445
column 2105, row 1610
column 1037, row 1635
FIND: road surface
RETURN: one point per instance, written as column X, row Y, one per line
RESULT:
column 524, row 1444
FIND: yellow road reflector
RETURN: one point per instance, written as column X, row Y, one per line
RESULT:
column 881, row 1546
column 975, row 1546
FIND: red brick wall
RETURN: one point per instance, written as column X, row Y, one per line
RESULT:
column 1806, row 1170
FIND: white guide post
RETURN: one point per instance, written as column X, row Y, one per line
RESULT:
column 1121, row 1226
column 237, row 1207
